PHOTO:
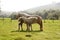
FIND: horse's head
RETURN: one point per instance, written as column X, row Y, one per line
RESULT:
column 17, row 16
column 19, row 19
column 22, row 15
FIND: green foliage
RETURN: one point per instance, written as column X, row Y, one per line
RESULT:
column 49, row 14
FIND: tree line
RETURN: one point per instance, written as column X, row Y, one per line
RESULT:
column 46, row 14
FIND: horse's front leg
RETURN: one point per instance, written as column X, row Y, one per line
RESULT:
column 21, row 26
column 31, row 28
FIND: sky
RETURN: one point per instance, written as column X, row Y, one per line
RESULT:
column 20, row 5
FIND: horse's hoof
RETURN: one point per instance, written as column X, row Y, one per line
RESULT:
column 21, row 30
column 18, row 30
column 41, row 30
column 26, row 30
column 31, row 30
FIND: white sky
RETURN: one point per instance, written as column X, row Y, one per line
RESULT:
column 20, row 5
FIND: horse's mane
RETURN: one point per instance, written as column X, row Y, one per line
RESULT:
column 23, row 14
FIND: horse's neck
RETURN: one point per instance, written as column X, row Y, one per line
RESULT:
column 25, row 15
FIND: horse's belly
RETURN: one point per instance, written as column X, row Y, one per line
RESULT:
column 32, row 22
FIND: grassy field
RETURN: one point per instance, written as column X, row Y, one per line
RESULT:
column 8, row 31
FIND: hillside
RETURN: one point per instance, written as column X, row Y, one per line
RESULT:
column 54, row 6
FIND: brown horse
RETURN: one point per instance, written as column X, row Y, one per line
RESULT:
column 21, row 21
column 39, row 20
column 31, row 20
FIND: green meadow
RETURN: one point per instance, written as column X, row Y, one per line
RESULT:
column 8, row 30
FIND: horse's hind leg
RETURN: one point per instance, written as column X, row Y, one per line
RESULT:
column 41, row 26
column 28, row 29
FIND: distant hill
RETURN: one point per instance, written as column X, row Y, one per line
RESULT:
column 55, row 6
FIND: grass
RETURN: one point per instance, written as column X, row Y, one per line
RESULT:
column 8, row 31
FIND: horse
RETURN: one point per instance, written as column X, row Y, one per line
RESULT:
column 21, row 22
column 31, row 20
column 27, row 16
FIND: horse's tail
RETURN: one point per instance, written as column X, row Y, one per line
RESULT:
column 39, row 18
column 40, row 22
